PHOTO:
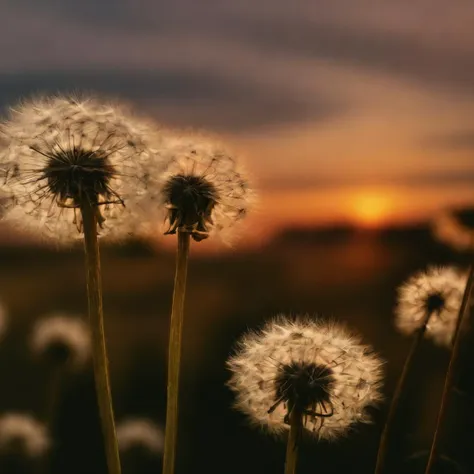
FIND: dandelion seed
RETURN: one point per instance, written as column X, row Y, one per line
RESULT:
column 140, row 433
column 20, row 433
column 62, row 340
column 438, row 292
column 310, row 367
column 61, row 152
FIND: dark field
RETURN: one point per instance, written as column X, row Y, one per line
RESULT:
column 349, row 275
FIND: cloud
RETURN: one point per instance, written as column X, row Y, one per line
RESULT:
column 461, row 140
column 183, row 98
column 439, row 179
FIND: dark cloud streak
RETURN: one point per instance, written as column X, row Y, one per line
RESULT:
column 189, row 99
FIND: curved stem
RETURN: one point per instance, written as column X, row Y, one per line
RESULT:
column 296, row 423
column 397, row 396
column 463, row 324
column 99, row 351
column 174, row 352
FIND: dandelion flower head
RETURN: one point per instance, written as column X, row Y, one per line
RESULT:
column 62, row 153
column 140, row 433
column 204, row 189
column 62, row 339
column 21, row 432
column 437, row 292
column 313, row 366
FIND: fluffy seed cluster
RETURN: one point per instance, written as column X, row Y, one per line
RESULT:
column 450, row 230
column 438, row 291
column 61, row 152
column 311, row 365
column 203, row 190
column 141, row 433
column 19, row 431
column 62, row 339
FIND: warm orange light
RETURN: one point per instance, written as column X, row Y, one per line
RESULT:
column 370, row 209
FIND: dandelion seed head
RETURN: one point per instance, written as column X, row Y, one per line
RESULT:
column 62, row 339
column 21, row 433
column 140, row 433
column 311, row 365
column 437, row 291
column 63, row 152
column 204, row 189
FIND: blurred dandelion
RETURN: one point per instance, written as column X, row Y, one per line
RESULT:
column 304, row 376
column 62, row 340
column 70, row 165
column 462, row 330
column 21, row 432
column 141, row 445
column 431, row 298
column 141, row 433
column 429, row 303
column 24, row 442
column 451, row 229
column 204, row 191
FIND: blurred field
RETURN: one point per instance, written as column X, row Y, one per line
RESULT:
column 342, row 273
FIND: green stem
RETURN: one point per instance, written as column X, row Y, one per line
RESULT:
column 99, row 351
column 292, row 444
column 397, row 397
column 463, row 326
column 174, row 353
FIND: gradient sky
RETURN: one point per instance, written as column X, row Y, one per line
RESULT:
column 345, row 109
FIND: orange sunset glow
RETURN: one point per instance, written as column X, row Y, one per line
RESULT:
column 343, row 114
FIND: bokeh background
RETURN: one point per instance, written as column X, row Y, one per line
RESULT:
column 355, row 119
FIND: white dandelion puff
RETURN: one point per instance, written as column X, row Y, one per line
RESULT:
column 62, row 339
column 204, row 189
column 61, row 152
column 437, row 292
column 140, row 433
column 450, row 230
column 19, row 431
column 313, row 366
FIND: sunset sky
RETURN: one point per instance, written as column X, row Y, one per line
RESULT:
column 345, row 109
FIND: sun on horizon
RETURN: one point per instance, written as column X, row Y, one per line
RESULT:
column 370, row 209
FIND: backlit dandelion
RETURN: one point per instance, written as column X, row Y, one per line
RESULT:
column 204, row 191
column 62, row 339
column 205, row 188
column 304, row 375
column 24, row 435
column 70, row 166
column 61, row 153
column 140, row 433
column 315, row 367
column 432, row 298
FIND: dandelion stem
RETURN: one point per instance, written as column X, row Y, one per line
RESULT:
column 174, row 352
column 463, row 325
column 397, row 397
column 292, row 445
column 99, row 351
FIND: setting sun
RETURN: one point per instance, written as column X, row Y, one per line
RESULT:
column 370, row 209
